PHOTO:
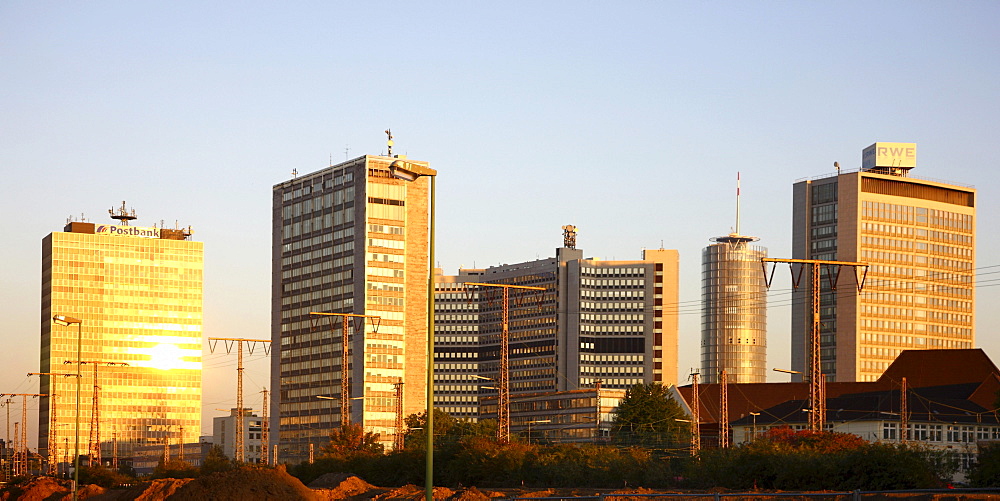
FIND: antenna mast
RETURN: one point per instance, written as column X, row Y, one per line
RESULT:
column 737, row 202
column 123, row 215
column 388, row 132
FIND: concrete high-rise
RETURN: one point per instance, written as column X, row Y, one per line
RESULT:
column 614, row 321
column 349, row 238
column 918, row 236
column 138, row 294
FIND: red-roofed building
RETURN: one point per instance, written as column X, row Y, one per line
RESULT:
column 951, row 403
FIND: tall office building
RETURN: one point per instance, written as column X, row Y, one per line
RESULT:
column 918, row 236
column 350, row 239
column 613, row 321
column 138, row 294
column 734, row 308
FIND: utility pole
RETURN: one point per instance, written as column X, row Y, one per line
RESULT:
column 695, row 416
column 238, row 453
column 904, row 433
column 264, row 425
column 114, row 450
column 16, row 458
column 723, row 410
column 345, row 354
column 22, row 448
column 597, row 410
column 817, row 411
column 398, row 445
column 6, row 444
column 51, row 442
column 503, row 398
column 94, row 446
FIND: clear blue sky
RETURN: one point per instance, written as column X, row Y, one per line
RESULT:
column 627, row 119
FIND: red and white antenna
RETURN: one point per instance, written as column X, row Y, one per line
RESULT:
column 737, row 202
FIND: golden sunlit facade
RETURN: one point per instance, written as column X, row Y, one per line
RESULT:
column 138, row 295
column 917, row 235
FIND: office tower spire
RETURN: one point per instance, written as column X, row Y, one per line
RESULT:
column 734, row 315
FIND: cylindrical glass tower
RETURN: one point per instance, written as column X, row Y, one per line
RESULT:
column 734, row 313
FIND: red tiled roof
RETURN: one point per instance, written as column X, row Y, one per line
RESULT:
column 922, row 368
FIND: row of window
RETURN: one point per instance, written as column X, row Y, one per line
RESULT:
column 613, row 272
column 917, row 233
column 307, row 187
column 921, row 216
column 609, row 282
column 637, row 294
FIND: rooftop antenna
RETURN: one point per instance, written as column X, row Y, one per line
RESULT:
column 569, row 236
column 737, row 202
column 388, row 132
column 123, row 216
column 347, row 151
column 295, row 173
column 836, row 165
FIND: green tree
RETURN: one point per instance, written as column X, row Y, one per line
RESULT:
column 649, row 416
column 447, row 430
column 102, row 476
column 986, row 471
column 175, row 468
column 215, row 461
column 351, row 438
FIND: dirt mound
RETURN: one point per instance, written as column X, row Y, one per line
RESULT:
column 156, row 490
column 411, row 492
column 472, row 494
column 348, row 483
column 342, row 486
column 245, row 484
column 36, row 489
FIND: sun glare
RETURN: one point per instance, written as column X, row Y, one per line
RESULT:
column 166, row 357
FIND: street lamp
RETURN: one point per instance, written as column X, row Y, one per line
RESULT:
column 409, row 171
column 754, row 432
column 786, row 371
column 67, row 320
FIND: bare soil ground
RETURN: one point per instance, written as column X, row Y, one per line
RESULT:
column 277, row 484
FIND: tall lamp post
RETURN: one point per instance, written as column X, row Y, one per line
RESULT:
column 67, row 320
column 409, row 171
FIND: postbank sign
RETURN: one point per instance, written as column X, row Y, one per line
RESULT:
column 127, row 231
column 889, row 155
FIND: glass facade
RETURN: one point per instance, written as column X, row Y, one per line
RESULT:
column 920, row 289
column 140, row 302
column 734, row 311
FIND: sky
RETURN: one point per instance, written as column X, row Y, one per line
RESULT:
column 627, row 119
